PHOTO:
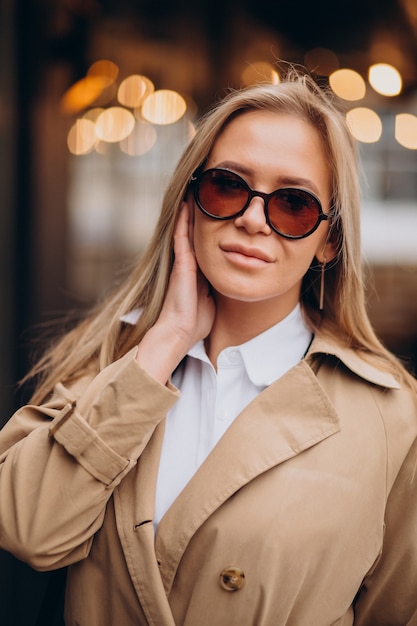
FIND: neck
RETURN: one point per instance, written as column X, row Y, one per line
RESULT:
column 237, row 322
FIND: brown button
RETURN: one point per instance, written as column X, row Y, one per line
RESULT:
column 232, row 578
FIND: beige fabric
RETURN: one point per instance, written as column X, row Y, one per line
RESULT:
column 310, row 494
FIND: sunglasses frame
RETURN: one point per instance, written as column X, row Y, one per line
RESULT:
column 252, row 193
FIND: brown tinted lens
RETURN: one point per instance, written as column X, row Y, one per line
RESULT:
column 293, row 212
column 222, row 193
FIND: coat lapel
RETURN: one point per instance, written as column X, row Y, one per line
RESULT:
column 270, row 430
column 134, row 501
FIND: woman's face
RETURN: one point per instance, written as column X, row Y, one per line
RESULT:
column 243, row 258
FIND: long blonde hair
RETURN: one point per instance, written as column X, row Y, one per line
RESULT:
column 102, row 337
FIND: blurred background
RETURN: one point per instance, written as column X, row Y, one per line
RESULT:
column 97, row 101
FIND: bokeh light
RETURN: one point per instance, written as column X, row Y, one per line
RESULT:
column 406, row 130
column 385, row 79
column 364, row 124
column 82, row 94
column 92, row 114
column 134, row 89
column 114, row 124
column 104, row 69
column 81, row 137
column 163, row 107
column 347, row 84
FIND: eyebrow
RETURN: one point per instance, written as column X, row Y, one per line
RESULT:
column 289, row 181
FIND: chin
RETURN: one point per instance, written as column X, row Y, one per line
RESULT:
column 241, row 296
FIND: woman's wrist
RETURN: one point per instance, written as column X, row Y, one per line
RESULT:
column 160, row 352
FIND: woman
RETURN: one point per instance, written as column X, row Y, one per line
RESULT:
column 226, row 441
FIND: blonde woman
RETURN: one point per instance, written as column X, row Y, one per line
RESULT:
column 225, row 441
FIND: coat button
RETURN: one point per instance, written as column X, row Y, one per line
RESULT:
column 232, row 578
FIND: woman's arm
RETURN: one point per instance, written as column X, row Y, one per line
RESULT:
column 60, row 462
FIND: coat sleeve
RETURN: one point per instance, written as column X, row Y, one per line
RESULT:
column 60, row 462
column 389, row 593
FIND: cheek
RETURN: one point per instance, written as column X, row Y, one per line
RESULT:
column 299, row 255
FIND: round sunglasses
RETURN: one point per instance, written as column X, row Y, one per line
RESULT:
column 291, row 212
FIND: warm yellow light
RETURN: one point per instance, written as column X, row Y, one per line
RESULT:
column 134, row 89
column 385, row 79
column 260, row 72
column 81, row 137
column 163, row 107
column 364, row 124
column 82, row 94
column 140, row 140
column 406, row 130
column 106, row 70
column 92, row 114
column 114, row 124
column 347, row 84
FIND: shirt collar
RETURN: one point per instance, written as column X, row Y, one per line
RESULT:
column 264, row 356
column 271, row 354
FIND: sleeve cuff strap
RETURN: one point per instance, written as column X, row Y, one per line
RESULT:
column 83, row 443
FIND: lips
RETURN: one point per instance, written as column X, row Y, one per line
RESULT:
column 250, row 252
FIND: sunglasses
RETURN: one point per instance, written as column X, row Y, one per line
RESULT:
column 223, row 195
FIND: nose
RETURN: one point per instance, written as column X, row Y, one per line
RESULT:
column 253, row 220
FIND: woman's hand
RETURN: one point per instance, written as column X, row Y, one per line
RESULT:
column 188, row 308
column 188, row 311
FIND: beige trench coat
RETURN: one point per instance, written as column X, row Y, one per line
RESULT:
column 310, row 496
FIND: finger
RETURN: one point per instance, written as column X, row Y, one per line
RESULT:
column 183, row 252
column 183, row 218
column 181, row 238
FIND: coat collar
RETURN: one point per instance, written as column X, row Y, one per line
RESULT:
column 324, row 345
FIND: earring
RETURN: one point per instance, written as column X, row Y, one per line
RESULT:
column 323, row 267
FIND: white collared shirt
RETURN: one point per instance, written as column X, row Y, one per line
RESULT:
column 210, row 400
